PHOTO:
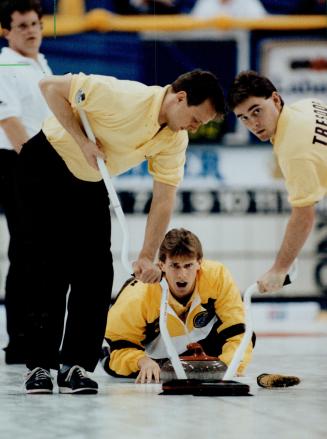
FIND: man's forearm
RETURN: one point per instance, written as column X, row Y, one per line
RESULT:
column 158, row 219
column 15, row 131
column 156, row 226
column 297, row 231
column 125, row 361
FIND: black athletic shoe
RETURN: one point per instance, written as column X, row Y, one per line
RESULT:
column 75, row 380
column 38, row 380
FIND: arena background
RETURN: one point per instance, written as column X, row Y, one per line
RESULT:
column 232, row 196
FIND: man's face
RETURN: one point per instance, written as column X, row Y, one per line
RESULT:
column 25, row 35
column 180, row 273
column 180, row 116
column 260, row 115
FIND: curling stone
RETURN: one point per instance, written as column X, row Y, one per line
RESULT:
column 197, row 366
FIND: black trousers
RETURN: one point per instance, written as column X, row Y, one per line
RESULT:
column 15, row 294
column 66, row 233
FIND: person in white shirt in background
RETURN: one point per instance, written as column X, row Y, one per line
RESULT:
column 22, row 112
column 231, row 8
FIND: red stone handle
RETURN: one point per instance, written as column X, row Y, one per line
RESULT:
column 198, row 354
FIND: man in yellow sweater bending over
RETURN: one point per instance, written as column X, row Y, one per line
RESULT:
column 63, row 204
column 205, row 306
column 298, row 133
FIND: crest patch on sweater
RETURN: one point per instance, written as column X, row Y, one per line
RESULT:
column 201, row 319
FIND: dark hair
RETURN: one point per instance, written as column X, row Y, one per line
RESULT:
column 180, row 242
column 200, row 85
column 8, row 7
column 249, row 83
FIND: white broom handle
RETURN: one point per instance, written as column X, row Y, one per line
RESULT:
column 170, row 348
column 112, row 196
column 239, row 353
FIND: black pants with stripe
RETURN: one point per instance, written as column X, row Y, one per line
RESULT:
column 66, row 234
column 15, row 294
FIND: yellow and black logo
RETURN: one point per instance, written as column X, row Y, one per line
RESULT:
column 201, row 319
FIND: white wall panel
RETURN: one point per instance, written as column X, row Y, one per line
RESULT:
column 247, row 245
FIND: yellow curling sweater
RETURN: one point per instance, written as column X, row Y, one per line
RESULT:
column 124, row 118
column 214, row 316
column 300, row 144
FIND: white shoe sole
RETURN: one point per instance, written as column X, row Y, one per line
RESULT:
column 39, row 391
column 83, row 391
